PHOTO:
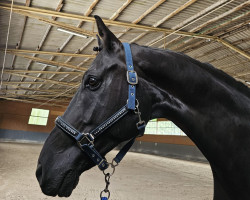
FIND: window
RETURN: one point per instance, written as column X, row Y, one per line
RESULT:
column 163, row 128
column 39, row 117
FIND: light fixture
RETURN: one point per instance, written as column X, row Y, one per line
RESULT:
column 73, row 33
column 46, row 64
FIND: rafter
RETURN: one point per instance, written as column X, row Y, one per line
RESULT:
column 190, row 20
column 113, row 17
column 42, row 72
column 38, row 95
column 136, row 21
column 79, row 25
column 242, row 74
column 26, row 11
column 43, row 79
column 26, row 82
column 16, row 87
column 50, row 62
column 192, row 45
column 211, row 29
column 229, row 66
column 24, row 51
column 236, row 49
column 207, row 31
column 117, row 13
column 58, row 8
column 20, row 89
column 175, row 12
column 27, row 3
column 58, row 24
column 220, row 48
column 33, row 102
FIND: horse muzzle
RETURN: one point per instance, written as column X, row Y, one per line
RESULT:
column 61, row 184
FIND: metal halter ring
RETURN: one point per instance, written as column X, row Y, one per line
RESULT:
column 105, row 192
column 114, row 163
column 113, row 171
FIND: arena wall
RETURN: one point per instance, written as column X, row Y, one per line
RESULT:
column 14, row 127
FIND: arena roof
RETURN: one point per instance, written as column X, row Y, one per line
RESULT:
column 44, row 65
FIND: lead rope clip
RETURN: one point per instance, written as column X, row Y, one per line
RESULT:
column 141, row 123
column 105, row 194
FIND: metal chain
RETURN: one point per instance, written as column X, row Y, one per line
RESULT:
column 137, row 111
column 105, row 194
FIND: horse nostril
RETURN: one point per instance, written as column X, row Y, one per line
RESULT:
column 39, row 173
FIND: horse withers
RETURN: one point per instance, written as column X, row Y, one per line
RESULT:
column 211, row 107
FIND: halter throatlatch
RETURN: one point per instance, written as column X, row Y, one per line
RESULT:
column 86, row 140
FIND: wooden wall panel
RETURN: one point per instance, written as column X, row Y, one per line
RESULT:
column 15, row 116
column 169, row 139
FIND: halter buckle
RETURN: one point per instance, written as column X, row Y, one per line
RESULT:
column 87, row 136
column 132, row 77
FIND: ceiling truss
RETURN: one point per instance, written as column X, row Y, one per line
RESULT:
column 192, row 40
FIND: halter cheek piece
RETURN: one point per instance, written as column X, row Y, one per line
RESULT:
column 131, row 106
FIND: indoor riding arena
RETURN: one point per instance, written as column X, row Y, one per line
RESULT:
column 190, row 128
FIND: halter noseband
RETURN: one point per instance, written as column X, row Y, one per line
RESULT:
column 132, row 105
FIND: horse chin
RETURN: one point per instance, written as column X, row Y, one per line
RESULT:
column 68, row 184
column 70, row 181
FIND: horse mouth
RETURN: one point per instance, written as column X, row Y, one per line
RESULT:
column 68, row 184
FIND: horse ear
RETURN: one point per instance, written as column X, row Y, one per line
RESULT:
column 110, row 41
column 100, row 45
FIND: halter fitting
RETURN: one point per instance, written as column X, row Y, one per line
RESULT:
column 132, row 105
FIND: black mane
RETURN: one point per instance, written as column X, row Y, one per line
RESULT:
column 215, row 72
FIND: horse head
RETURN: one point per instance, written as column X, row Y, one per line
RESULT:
column 103, row 91
column 207, row 104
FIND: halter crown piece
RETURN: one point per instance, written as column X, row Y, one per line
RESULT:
column 132, row 106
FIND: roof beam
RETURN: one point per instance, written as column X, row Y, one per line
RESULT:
column 156, row 5
column 79, row 25
column 39, row 95
column 136, row 21
column 207, row 31
column 200, row 14
column 116, row 14
column 23, row 10
column 33, row 102
column 190, row 20
column 33, row 89
column 175, row 12
column 49, row 53
column 203, row 54
column 41, row 72
column 191, row 45
column 236, row 49
column 16, row 87
column 58, row 9
column 27, row 3
column 242, row 74
column 50, row 62
column 44, row 79
column 59, row 24
column 214, row 28
column 27, row 82
column 113, row 17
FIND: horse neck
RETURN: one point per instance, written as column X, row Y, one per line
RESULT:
column 195, row 96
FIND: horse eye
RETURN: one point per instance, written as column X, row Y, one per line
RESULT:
column 93, row 83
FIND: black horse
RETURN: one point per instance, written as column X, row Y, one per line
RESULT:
column 211, row 107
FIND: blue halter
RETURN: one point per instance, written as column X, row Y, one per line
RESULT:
column 132, row 105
